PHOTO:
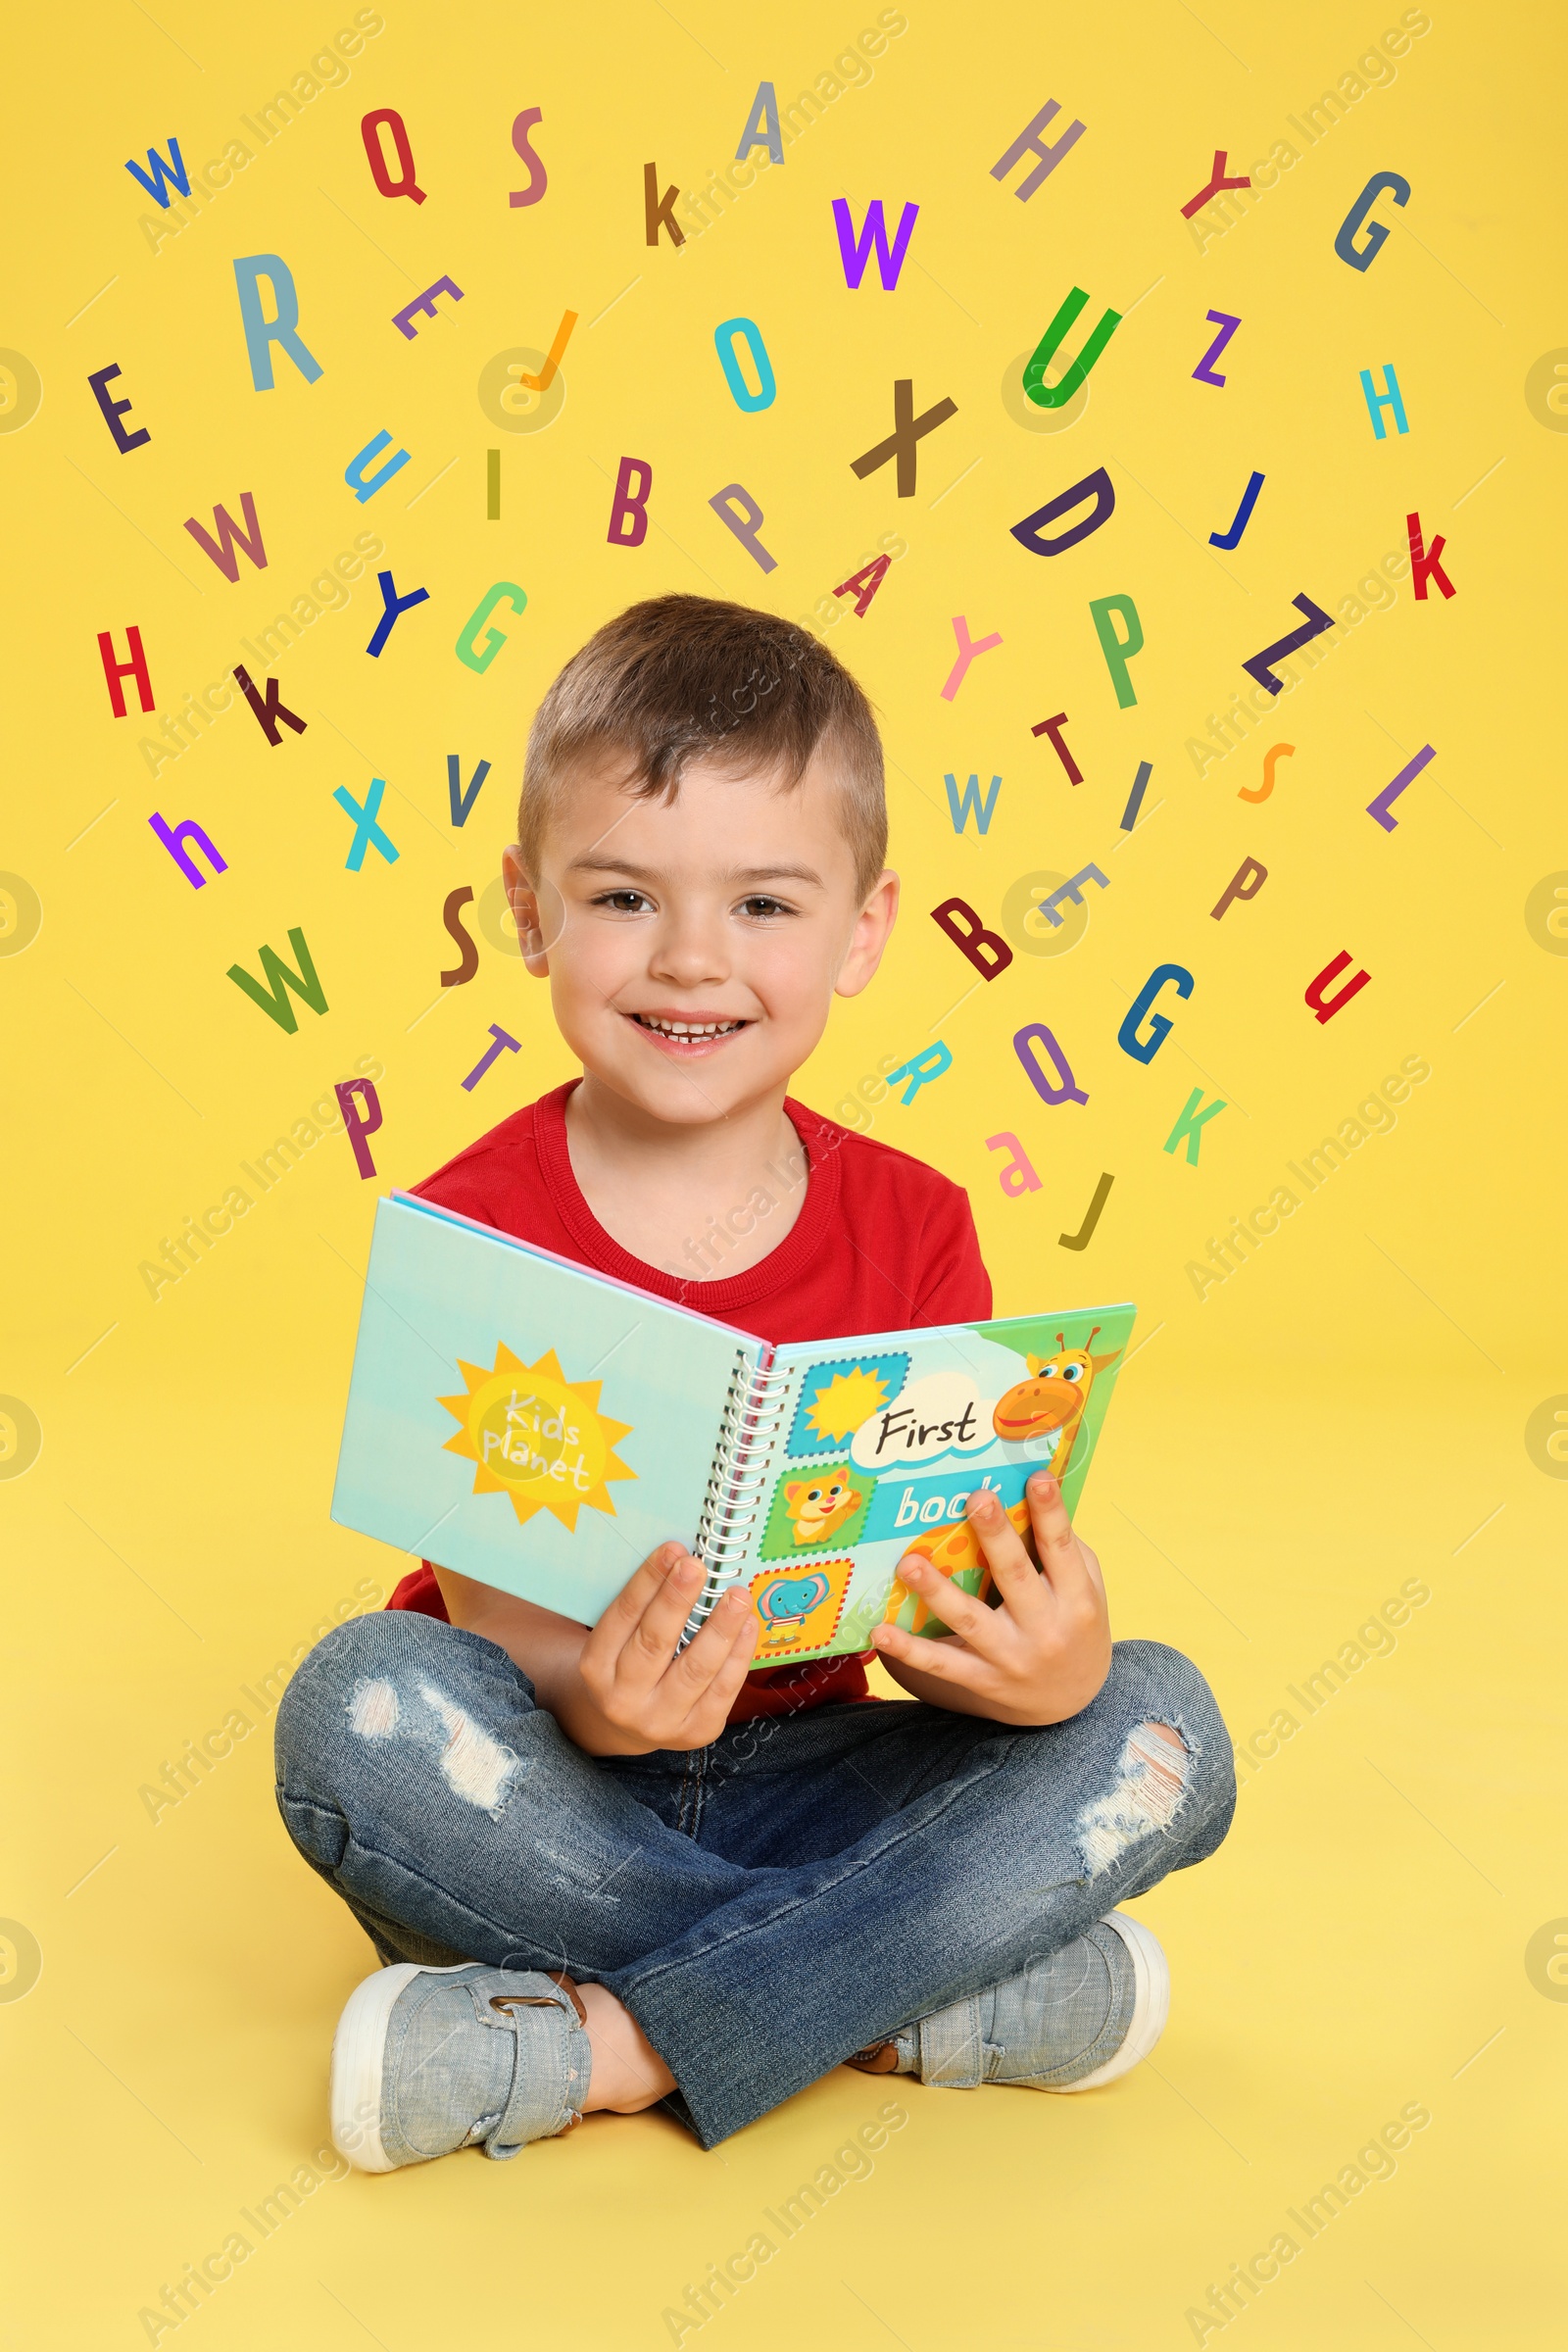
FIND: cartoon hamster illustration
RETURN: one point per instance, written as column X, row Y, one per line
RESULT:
column 1054, row 1397
column 952, row 1550
column 817, row 1507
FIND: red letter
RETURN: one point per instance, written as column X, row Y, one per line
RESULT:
column 135, row 667
column 375, row 154
column 631, row 503
column 1327, row 1007
column 989, row 952
column 1425, row 565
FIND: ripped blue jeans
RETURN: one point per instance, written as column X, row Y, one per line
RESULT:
column 765, row 1907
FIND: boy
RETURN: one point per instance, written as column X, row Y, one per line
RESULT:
column 603, row 1871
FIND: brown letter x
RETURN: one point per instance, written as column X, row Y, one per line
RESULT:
column 908, row 429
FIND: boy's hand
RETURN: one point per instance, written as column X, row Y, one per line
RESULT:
column 1038, row 1657
column 646, row 1695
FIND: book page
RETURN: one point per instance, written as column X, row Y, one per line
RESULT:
column 880, row 1441
column 516, row 1419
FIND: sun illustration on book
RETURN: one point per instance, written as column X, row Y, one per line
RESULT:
column 537, row 1437
column 842, row 1403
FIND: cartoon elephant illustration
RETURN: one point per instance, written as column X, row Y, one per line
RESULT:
column 790, row 1599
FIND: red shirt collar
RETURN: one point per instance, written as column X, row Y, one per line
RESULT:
column 820, row 1139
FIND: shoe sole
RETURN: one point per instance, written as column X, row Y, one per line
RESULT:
column 359, row 2053
column 1150, row 2002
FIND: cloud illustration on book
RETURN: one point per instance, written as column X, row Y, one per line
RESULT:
column 941, row 1414
column 538, row 1437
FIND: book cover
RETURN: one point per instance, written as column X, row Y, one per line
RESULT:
column 520, row 1420
column 877, row 1446
column 537, row 1426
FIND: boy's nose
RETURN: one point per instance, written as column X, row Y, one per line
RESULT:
column 688, row 952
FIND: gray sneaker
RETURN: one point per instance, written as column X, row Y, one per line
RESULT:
column 1073, row 2022
column 428, row 2060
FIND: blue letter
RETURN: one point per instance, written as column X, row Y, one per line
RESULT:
column 724, row 344
column 1144, row 1049
column 260, row 332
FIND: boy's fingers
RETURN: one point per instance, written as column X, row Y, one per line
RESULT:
column 722, row 1690
column 650, row 1643
column 632, row 1599
column 958, row 1609
column 703, row 1658
column 1060, row 1556
column 1006, row 1556
column 944, row 1661
column 638, row 1590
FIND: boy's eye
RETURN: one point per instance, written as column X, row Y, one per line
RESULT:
column 622, row 902
column 761, row 907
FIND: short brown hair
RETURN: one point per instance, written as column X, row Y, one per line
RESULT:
column 683, row 678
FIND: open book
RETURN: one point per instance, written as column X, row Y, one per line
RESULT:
column 542, row 1427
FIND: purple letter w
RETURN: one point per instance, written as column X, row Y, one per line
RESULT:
column 856, row 251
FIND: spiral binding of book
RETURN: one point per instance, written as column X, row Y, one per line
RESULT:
column 754, row 1414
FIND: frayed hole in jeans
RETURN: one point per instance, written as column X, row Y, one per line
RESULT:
column 1150, row 1783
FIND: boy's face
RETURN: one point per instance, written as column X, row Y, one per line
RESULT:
column 730, row 910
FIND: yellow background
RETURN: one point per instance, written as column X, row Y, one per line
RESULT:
column 1342, row 1415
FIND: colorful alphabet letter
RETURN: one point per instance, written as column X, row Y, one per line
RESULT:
column 1379, row 809
column 741, row 393
column 371, row 129
column 854, row 251
column 1323, row 1007
column 480, row 657
column 356, row 1127
column 1030, row 533
column 986, row 951
column 1245, row 883
column 1104, row 611
column 1018, row 1176
column 1066, row 1087
column 1188, row 1129
column 1056, row 396
column 1164, row 975
column 908, row 430
column 423, row 305
column 1361, row 256
column 744, row 526
column 1030, row 142
column 262, row 333
column 280, row 978
column 1317, row 620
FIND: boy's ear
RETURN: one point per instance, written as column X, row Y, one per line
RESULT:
column 872, row 927
column 524, row 900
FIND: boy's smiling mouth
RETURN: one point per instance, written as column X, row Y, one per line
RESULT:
column 685, row 1036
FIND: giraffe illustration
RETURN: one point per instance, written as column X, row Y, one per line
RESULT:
column 953, row 1551
column 1054, row 1397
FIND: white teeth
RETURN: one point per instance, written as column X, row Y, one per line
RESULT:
column 688, row 1028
